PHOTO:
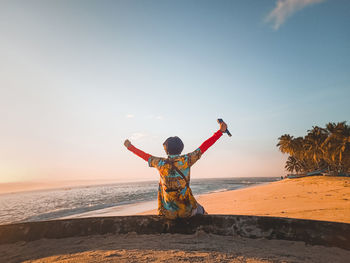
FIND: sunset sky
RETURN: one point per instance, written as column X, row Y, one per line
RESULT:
column 79, row 77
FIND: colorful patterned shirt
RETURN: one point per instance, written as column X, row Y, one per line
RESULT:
column 175, row 198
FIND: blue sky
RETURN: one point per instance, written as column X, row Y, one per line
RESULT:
column 79, row 77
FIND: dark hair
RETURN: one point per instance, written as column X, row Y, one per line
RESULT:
column 173, row 145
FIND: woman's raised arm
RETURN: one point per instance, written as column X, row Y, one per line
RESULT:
column 136, row 151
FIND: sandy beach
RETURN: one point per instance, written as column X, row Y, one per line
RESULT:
column 318, row 198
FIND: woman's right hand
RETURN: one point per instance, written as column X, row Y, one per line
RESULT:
column 127, row 143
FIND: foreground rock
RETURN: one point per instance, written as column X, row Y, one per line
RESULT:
column 309, row 231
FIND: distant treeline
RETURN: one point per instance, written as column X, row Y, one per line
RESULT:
column 322, row 148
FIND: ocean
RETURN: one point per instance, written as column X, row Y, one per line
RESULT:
column 64, row 202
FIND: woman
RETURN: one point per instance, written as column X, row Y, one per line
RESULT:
column 175, row 198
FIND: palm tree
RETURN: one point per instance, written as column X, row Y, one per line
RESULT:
column 313, row 142
column 321, row 147
column 337, row 145
column 298, row 148
column 293, row 164
column 285, row 143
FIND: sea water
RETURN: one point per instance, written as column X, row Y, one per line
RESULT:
column 57, row 203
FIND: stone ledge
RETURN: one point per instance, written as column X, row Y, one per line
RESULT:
column 312, row 232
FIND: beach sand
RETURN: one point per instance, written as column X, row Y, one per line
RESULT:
column 319, row 198
column 200, row 247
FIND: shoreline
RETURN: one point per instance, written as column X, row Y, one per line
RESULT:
column 98, row 200
column 120, row 210
column 142, row 208
column 316, row 198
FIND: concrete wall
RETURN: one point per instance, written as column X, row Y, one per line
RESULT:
column 309, row 231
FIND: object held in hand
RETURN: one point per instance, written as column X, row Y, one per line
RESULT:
column 227, row 131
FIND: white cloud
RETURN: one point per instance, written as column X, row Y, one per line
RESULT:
column 156, row 117
column 137, row 135
column 129, row 116
column 286, row 8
